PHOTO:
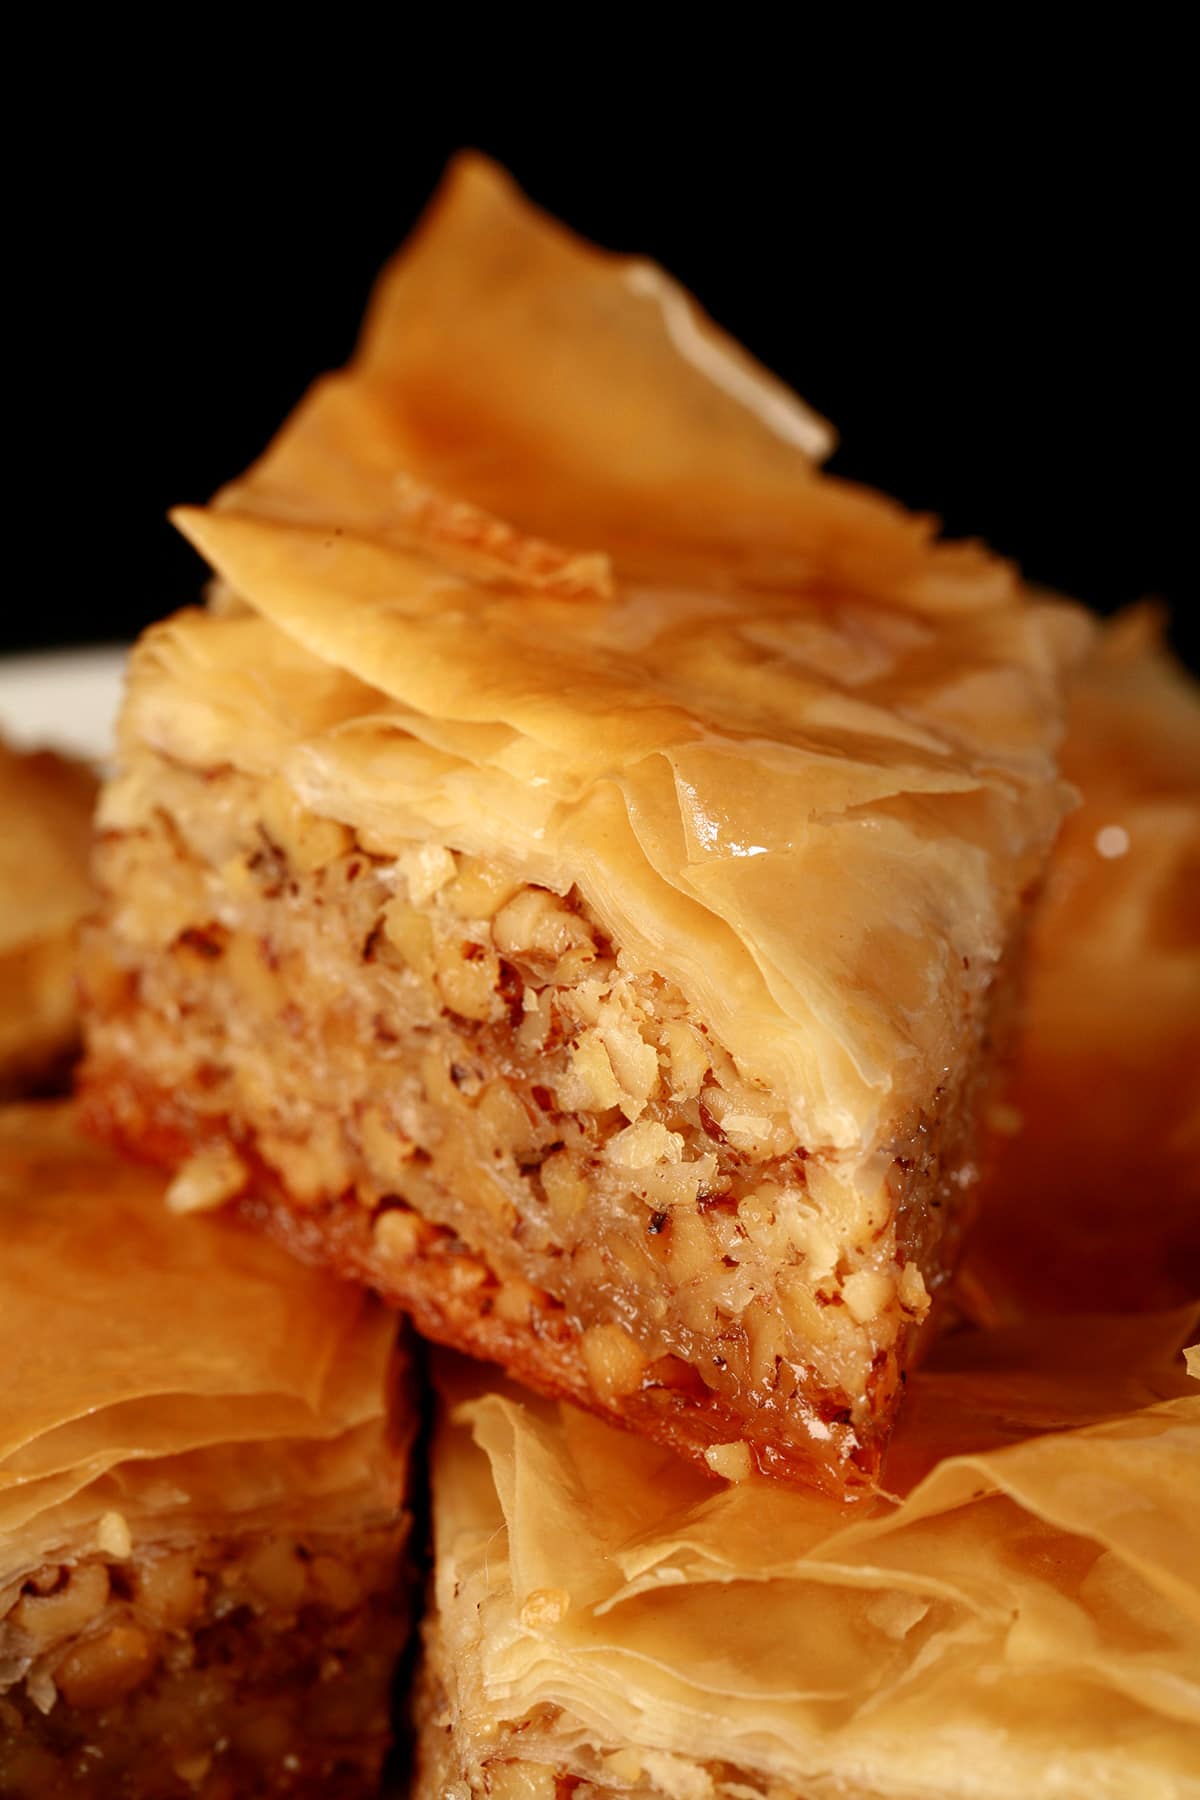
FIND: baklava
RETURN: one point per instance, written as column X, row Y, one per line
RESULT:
column 1093, row 1197
column 571, row 874
column 1025, row 1621
column 46, row 806
column 203, row 1455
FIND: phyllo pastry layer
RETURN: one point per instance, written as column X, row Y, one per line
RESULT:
column 203, row 1450
column 46, row 806
column 1094, row 1196
column 598, row 949
column 1025, row 1619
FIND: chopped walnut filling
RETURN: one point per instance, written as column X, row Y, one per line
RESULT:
column 189, row 1670
column 419, row 1028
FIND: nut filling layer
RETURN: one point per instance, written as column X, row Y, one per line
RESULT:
column 235, row 1666
column 433, row 1062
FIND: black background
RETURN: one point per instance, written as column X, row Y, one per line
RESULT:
column 982, row 285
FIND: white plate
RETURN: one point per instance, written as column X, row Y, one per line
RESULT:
column 63, row 699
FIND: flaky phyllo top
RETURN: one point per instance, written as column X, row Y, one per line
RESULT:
column 549, row 574
column 1021, row 1616
column 170, row 1378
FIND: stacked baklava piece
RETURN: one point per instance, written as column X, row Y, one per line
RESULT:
column 571, row 882
column 203, row 1476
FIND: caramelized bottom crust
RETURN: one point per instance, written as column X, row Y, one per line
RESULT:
column 254, row 1667
column 454, row 1297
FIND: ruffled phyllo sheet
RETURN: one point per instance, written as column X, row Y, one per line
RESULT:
column 1023, row 1618
column 203, row 1450
column 568, row 876
column 46, row 806
column 1095, row 1193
